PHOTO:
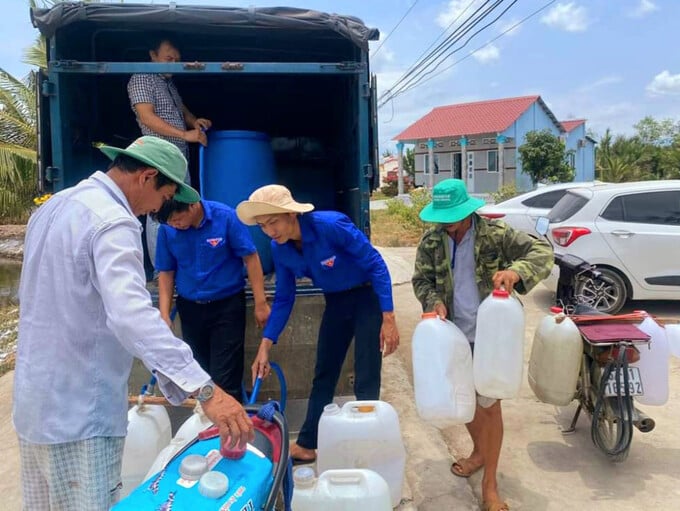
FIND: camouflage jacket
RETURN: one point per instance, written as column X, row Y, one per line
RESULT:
column 497, row 247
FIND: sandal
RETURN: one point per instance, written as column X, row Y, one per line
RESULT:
column 458, row 468
column 497, row 506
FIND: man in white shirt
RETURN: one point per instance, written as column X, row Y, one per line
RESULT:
column 85, row 313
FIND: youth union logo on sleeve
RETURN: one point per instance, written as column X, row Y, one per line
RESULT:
column 328, row 263
column 213, row 242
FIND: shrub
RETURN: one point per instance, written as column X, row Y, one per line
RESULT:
column 505, row 192
column 407, row 214
column 391, row 186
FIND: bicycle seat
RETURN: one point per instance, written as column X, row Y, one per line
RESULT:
column 612, row 332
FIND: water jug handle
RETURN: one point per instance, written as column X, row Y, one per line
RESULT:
column 353, row 478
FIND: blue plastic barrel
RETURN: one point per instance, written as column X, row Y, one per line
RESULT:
column 231, row 167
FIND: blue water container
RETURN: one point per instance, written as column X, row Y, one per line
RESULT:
column 231, row 167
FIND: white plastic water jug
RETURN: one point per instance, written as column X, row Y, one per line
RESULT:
column 555, row 360
column 340, row 490
column 654, row 364
column 499, row 344
column 673, row 335
column 363, row 434
column 189, row 429
column 148, row 433
column 442, row 372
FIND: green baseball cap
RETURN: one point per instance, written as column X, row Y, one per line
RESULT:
column 450, row 203
column 163, row 156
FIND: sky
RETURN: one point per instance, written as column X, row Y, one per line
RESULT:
column 611, row 62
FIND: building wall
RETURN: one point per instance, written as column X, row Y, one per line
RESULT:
column 534, row 119
column 479, row 145
column 584, row 153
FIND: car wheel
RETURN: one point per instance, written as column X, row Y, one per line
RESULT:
column 607, row 297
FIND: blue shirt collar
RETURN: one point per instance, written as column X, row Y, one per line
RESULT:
column 307, row 228
column 207, row 214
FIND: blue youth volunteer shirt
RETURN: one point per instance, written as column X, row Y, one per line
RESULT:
column 335, row 255
column 207, row 260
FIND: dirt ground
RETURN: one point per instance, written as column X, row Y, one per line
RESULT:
column 12, row 231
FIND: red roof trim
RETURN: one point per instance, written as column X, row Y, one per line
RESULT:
column 571, row 124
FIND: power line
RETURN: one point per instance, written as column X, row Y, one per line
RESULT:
column 422, row 59
column 437, row 56
column 510, row 29
column 394, row 28
column 449, row 54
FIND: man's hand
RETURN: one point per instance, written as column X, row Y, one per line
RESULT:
column 225, row 412
column 201, row 123
column 167, row 320
column 262, row 312
column 440, row 309
column 389, row 335
column 506, row 279
column 261, row 367
column 196, row 135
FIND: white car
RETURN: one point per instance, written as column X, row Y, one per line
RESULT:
column 522, row 211
column 630, row 231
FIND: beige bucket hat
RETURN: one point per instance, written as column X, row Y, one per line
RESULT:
column 270, row 200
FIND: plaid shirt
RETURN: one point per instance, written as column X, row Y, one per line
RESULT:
column 167, row 104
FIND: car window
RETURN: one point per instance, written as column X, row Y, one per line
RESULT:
column 567, row 207
column 544, row 200
column 646, row 208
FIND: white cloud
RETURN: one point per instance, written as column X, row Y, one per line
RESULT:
column 455, row 9
column 569, row 17
column 643, row 8
column 664, row 84
column 487, row 54
column 505, row 25
column 602, row 82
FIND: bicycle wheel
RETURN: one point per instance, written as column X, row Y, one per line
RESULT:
column 612, row 421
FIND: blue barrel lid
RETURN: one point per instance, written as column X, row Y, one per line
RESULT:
column 254, row 135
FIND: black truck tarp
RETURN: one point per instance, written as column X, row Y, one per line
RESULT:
column 176, row 17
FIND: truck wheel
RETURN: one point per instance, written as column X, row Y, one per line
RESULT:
column 608, row 297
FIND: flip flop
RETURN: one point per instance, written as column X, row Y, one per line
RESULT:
column 497, row 506
column 458, row 468
column 302, row 461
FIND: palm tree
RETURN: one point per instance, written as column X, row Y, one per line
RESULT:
column 17, row 144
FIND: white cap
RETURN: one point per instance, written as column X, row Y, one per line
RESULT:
column 213, row 484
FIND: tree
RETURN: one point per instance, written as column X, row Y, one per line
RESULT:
column 17, row 144
column 409, row 163
column 544, row 158
column 659, row 133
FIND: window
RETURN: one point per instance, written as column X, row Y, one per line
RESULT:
column 456, row 165
column 645, row 208
column 571, row 160
column 427, row 164
column 544, row 200
column 567, row 207
column 492, row 161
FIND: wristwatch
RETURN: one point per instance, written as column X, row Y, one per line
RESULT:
column 206, row 392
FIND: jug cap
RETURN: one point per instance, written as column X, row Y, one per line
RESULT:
column 213, row 484
column 193, row 467
column 500, row 293
column 232, row 453
column 331, row 409
column 555, row 309
column 428, row 315
column 304, row 476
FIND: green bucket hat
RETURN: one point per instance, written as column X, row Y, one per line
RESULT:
column 163, row 156
column 450, row 203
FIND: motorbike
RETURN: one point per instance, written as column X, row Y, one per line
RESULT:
column 607, row 382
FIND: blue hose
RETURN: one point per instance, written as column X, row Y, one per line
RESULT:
column 258, row 382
